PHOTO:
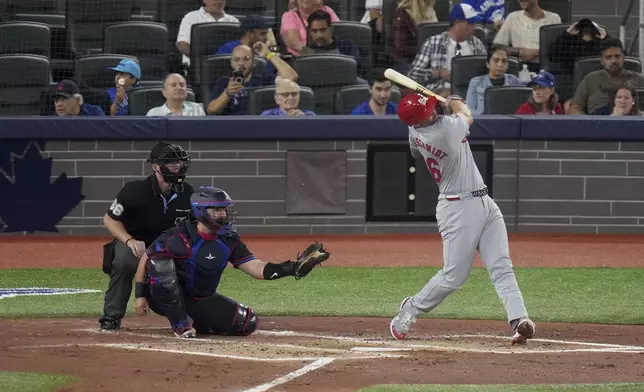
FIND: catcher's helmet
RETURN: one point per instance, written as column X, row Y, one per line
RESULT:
column 415, row 108
column 207, row 197
column 165, row 153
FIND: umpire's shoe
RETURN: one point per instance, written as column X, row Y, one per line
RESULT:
column 109, row 323
column 401, row 324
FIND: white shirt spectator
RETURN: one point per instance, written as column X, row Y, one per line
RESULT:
column 370, row 4
column 198, row 16
column 520, row 31
column 189, row 109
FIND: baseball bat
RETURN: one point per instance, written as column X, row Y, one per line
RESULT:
column 403, row 80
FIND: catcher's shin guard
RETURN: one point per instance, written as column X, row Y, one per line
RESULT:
column 166, row 292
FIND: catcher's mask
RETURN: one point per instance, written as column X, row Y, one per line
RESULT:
column 164, row 154
column 207, row 205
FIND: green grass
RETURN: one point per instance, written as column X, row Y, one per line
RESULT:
column 589, row 295
column 507, row 388
column 32, row 382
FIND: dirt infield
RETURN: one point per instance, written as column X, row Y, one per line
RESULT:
column 325, row 353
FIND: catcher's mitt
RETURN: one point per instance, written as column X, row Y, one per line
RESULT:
column 306, row 261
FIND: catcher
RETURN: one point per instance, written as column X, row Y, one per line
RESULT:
column 179, row 274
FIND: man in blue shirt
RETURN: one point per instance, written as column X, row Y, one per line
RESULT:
column 287, row 98
column 253, row 29
column 69, row 102
column 229, row 94
column 380, row 90
column 127, row 74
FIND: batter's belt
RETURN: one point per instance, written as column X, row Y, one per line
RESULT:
column 464, row 195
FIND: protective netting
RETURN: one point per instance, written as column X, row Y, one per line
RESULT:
column 337, row 67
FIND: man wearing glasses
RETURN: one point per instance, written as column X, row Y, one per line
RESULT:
column 287, row 98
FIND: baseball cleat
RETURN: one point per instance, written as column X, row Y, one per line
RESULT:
column 185, row 333
column 525, row 330
column 401, row 324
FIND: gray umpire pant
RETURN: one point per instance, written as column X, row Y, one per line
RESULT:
column 121, row 279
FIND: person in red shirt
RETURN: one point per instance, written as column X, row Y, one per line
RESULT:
column 544, row 100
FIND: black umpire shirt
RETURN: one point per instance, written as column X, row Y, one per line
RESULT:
column 145, row 212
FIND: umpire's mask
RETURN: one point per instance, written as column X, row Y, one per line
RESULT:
column 164, row 154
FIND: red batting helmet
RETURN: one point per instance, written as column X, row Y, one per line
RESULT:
column 415, row 108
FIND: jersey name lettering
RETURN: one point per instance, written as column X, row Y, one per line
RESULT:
column 437, row 152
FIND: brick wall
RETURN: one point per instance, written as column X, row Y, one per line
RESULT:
column 580, row 187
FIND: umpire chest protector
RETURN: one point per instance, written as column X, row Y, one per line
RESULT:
column 200, row 262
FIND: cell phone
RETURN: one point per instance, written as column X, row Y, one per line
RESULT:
column 238, row 77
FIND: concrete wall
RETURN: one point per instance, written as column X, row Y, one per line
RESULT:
column 541, row 186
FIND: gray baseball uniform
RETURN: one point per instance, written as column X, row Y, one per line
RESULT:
column 466, row 221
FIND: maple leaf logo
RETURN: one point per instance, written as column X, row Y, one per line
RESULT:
column 29, row 201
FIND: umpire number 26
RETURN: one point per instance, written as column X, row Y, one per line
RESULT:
column 432, row 165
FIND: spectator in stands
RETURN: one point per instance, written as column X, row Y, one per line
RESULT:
column 175, row 92
column 287, row 98
column 322, row 41
column 230, row 92
column 520, row 31
column 127, row 74
column 598, row 87
column 380, row 90
column 432, row 65
column 373, row 11
column 492, row 11
column 253, row 29
column 212, row 11
column 544, row 99
column 626, row 103
column 497, row 64
column 582, row 39
column 294, row 23
column 404, row 30
column 68, row 101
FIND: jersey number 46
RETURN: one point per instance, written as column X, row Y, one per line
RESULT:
column 432, row 165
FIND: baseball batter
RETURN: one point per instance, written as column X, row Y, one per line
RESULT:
column 468, row 219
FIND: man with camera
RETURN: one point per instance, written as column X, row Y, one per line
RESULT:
column 231, row 92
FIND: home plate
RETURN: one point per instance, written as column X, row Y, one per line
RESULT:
column 380, row 349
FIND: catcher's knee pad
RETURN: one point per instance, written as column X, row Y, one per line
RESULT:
column 244, row 321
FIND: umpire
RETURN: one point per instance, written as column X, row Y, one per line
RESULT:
column 142, row 210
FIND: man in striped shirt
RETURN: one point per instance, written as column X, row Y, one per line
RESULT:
column 432, row 66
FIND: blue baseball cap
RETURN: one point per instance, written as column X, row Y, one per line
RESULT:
column 543, row 79
column 128, row 66
column 465, row 12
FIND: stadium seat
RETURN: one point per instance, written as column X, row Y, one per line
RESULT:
column 426, row 30
column 324, row 73
column 586, row 65
column 360, row 35
column 85, row 22
column 388, row 10
column 214, row 67
column 92, row 71
column 347, row 98
column 149, row 47
column 142, row 99
column 561, row 7
column 25, row 38
column 23, row 77
column 442, row 8
column 245, row 7
column 464, row 68
column 263, row 98
column 171, row 13
column 505, row 99
column 205, row 40
column 547, row 36
column 43, row 11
